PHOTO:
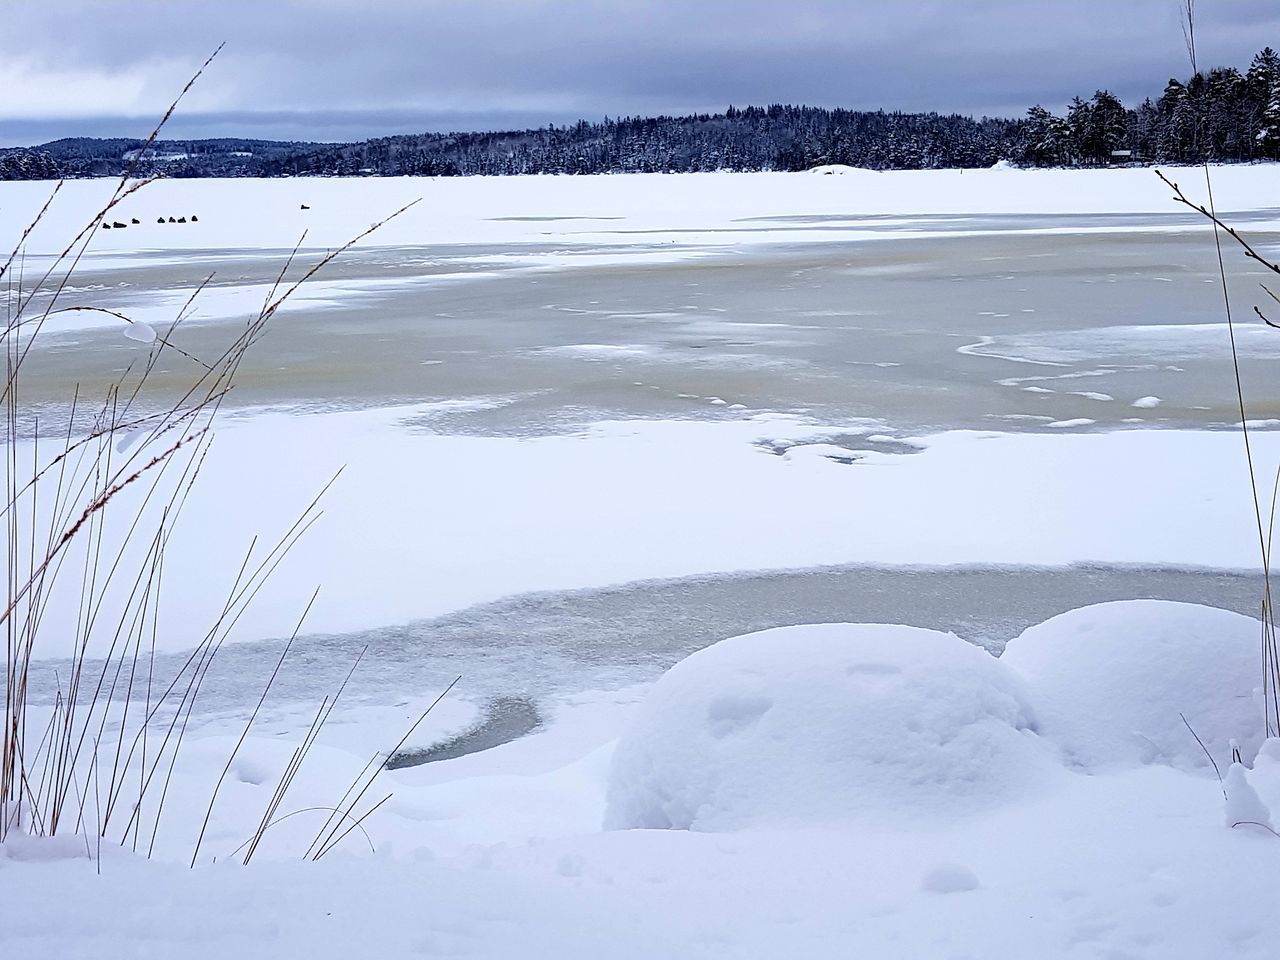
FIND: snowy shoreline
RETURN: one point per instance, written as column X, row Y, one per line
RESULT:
column 841, row 807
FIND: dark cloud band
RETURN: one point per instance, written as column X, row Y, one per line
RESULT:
column 340, row 69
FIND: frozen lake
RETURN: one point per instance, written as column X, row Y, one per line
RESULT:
column 1011, row 322
column 545, row 645
column 592, row 414
column 614, row 422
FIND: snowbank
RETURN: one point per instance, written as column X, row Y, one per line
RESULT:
column 1112, row 682
column 822, row 722
column 828, row 721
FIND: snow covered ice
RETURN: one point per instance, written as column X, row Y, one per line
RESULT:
column 907, row 396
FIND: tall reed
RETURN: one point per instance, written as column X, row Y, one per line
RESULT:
column 1264, row 505
column 89, row 511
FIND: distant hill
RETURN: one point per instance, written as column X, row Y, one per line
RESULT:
column 224, row 157
column 753, row 138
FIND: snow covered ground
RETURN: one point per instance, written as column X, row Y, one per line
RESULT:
column 810, row 792
column 849, row 789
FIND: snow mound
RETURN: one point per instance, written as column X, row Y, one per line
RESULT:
column 838, row 169
column 1112, row 683
column 949, row 878
column 824, row 722
column 1243, row 805
column 19, row 846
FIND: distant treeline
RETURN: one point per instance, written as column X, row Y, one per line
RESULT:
column 90, row 157
column 1223, row 115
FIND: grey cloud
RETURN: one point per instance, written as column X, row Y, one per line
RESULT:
column 369, row 68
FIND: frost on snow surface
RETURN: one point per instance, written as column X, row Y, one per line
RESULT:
column 1112, row 683
column 825, row 722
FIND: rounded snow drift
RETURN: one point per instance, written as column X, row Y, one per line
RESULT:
column 838, row 169
column 823, row 722
column 1112, row 683
column 949, row 878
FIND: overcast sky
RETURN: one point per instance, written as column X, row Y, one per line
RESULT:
column 349, row 69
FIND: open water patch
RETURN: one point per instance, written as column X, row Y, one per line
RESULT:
column 505, row 719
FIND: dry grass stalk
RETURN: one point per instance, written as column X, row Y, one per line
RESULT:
column 1265, row 519
column 91, row 519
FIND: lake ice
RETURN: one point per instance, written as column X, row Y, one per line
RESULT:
column 591, row 426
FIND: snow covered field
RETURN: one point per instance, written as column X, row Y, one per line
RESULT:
column 690, row 209
column 948, row 373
